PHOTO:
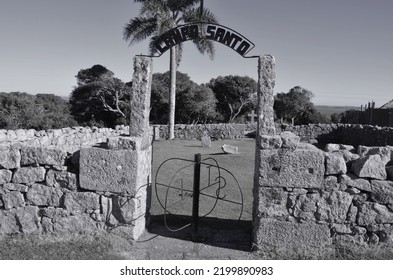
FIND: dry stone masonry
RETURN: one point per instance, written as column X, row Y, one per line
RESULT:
column 309, row 201
column 79, row 180
column 333, row 197
column 44, row 190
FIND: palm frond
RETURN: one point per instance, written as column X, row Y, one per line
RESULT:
column 193, row 15
column 205, row 46
column 181, row 5
column 152, row 47
column 154, row 8
column 139, row 28
column 166, row 25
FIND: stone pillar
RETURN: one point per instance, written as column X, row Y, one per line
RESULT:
column 140, row 98
column 121, row 171
column 282, row 173
column 266, row 82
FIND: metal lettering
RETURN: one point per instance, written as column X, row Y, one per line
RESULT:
column 219, row 35
column 194, row 32
column 242, row 49
column 210, row 31
column 215, row 32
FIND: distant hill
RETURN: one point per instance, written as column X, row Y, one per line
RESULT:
column 329, row 110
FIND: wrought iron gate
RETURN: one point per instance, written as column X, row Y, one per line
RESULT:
column 180, row 182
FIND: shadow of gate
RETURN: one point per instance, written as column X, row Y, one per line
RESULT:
column 201, row 201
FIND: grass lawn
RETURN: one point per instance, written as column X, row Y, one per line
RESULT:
column 179, row 174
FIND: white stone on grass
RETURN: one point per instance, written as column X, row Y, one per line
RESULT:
column 229, row 149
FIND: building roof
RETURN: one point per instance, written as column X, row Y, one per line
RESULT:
column 388, row 105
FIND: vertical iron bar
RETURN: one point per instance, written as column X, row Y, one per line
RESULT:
column 201, row 11
column 195, row 197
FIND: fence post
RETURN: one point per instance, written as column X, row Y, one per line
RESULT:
column 195, row 197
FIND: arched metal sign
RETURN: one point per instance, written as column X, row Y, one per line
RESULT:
column 208, row 31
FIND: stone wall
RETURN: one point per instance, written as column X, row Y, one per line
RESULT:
column 351, row 134
column 77, row 180
column 69, row 139
column 195, row 132
column 49, row 190
column 309, row 202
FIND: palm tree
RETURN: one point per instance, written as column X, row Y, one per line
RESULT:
column 159, row 16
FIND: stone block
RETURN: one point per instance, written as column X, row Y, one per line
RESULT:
column 81, row 201
column 61, row 179
column 112, row 171
column 8, row 223
column 267, row 76
column 230, row 149
column 42, row 156
column 5, row 176
column 382, row 192
column 384, row 152
column 335, row 164
column 29, row 175
column 78, row 224
column 289, row 140
column 13, row 199
column 272, row 203
column 206, row 140
column 41, row 195
column 352, row 214
column 348, row 229
column 332, row 148
column 291, row 169
column 123, row 143
column 9, row 157
column 127, row 209
column 348, row 156
column 371, row 166
column 307, row 146
column 28, row 219
column 353, row 181
column 15, row 187
column 288, row 235
column 331, row 183
column 133, row 231
column 349, row 148
column 371, row 213
column 54, row 213
column 334, row 207
column 270, row 142
column 140, row 98
column 305, row 206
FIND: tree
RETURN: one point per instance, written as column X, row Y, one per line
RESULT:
column 295, row 106
column 335, row 118
column 196, row 103
column 19, row 110
column 235, row 95
column 159, row 16
column 100, row 98
column 351, row 116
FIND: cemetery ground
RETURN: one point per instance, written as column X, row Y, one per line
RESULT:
column 222, row 235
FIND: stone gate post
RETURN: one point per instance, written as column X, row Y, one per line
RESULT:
column 121, row 171
column 282, row 173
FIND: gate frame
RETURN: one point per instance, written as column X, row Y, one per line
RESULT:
column 140, row 106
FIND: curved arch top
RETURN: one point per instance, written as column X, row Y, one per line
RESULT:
column 201, row 30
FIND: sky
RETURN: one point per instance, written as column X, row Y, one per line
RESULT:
column 341, row 50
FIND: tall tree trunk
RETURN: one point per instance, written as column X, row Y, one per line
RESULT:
column 172, row 94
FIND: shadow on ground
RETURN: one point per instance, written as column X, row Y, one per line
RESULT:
column 222, row 233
